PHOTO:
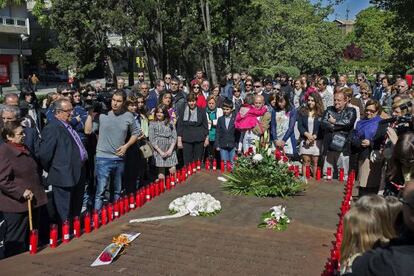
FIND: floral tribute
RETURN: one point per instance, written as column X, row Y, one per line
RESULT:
column 195, row 204
column 275, row 219
column 263, row 173
column 110, row 252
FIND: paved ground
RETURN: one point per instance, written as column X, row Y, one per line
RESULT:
column 227, row 244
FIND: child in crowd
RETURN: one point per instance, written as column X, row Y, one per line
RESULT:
column 362, row 231
column 226, row 136
column 213, row 114
column 237, row 98
column 246, row 118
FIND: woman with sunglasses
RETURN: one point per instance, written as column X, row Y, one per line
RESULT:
column 367, row 144
column 200, row 99
column 366, row 94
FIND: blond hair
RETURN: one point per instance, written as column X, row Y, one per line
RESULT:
column 362, row 230
column 379, row 206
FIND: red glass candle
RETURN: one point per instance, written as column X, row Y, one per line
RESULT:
column 104, row 216
column 177, row 178
column 34, row 238
column 76, row 227
column 222, row 169
column 184, row 174
column 126, row 204
column 228, row 166
column 66, row 231
column 142, row 196
column 131, row 201
column 296, row 171
column 207, row 164
column 214, row 165
column 116, row 209
column 121, row 206
column 152, row 190
column 137, row 199
column 318, row 174
column 194, row 167
column 172, row 177
column 156, row 189
column 160, row 185
column 87, row 222
column 147, row 193
column 95, row 216
column 168, row 183
column 235, row 158
column 198, row 165
column 307, row 171
column 110, row 211
column 329, row 173
column 53, row 236
column 189, row 170
column 341, row 174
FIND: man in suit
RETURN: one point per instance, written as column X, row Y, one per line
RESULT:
column 154, row 94
column 63, row 155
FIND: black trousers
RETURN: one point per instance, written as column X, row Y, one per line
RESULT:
column 192, row 152
column 68, row 200
column 16, row 227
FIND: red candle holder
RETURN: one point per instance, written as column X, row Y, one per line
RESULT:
column 66, row 232
column 207, row 164
column 228, row 164
column 104, row 216
column 131, row 201
column 329, row 173
column 318, row 174
column 116, row 209
column 152, row 190
column 198, row 165
column 214, row 165
column 194, row 167
column 126, row 204
column 142, row 195
column 296, row 171
column 161, row 186
column 147, row 193
column 95, row 216
column 121, row 206
column 87, row 222
column 53, row 236
column 76, row 227
column 307, row 171
column 110, row 212
column 189, row 170
column 137, row 199
column 156, row 189
column 34, row 238
column 341, row 174
column 177, row 178
column 172, row 177
column 235, row 158
column 168, row 183
column 222, row 168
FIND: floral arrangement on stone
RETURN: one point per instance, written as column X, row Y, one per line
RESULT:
column 196, row 204
column 263, row 173
column 110, row 252
column 275, row 219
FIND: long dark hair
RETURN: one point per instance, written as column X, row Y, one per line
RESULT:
column 284, row 96
column 164, row 110
column 319, row 108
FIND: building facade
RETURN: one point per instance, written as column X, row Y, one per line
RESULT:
column 14, row 31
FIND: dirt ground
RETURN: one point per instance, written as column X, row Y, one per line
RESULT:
column 226, row 244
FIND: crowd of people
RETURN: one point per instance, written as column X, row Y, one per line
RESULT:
column 87, row 147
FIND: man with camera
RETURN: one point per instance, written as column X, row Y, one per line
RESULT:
column 338, row 121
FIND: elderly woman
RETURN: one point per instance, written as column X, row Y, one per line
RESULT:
column 192, row 130
column 19, row 182
column 367, row 144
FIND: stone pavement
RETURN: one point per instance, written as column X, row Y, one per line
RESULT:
column 226, row 244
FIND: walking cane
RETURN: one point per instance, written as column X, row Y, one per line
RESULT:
column 29, row 207
column 33, row 233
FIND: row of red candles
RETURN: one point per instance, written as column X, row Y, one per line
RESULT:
column 145, row 194
column 332, row 265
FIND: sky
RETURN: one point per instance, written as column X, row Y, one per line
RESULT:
column 355, row 6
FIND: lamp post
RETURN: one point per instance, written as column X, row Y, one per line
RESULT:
column 22, row 38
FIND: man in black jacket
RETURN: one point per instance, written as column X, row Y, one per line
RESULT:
column 396, row 258
column 178, row 97
column 62, row 155
column 338, row 122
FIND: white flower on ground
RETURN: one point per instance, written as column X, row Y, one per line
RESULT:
column 278, row 212
column 194, row 204
column 257, row 158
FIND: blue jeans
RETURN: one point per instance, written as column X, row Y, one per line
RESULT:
column 227, row 155
column 104, row 169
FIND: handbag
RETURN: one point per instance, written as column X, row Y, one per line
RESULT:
column 146, row 150
column 338, row 142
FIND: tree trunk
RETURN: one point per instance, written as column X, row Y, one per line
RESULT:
column 205, row 11
column 131, row 60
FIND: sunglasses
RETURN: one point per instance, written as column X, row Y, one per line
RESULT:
column 370, row 110
column 248, row 85
column 257, row 86
column 196, row 87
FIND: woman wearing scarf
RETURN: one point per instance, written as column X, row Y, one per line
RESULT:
column 366, row 143
column 192, row 130
column 19, row 182
column 213, row 114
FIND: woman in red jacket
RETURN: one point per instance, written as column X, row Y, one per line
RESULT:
column 19, row 182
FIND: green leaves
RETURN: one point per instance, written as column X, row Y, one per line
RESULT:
column 263, row 179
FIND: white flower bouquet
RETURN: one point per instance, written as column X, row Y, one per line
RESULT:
column 196, row 204
column 275, row 218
